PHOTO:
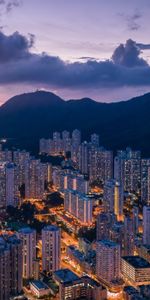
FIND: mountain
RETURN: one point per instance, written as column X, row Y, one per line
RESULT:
column 26, row 118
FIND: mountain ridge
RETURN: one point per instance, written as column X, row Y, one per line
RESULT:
column 38, row 114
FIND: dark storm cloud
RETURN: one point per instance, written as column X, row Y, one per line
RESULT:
column 19, row 65
column 15, row 46
column 143, row 46
column 128, row 55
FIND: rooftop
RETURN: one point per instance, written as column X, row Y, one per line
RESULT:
column 131, row 290
column 107, row 243
column 51, row 228
column 26, row 230
column 65, row 275
column 137, row 261
column 39, row 285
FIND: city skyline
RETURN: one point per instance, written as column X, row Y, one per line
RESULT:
column 74, row 155
column 74, row 220
column 94, row 49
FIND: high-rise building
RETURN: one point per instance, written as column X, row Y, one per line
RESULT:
column 28, row 237
column 74, row 287
column 2, row 184
column 10, row 266
column 56, row 177
column 116, row 234
column 79, row 205
column 34, row 179
column 146, row 225
column 12, row 188
column 127, row 169
column 76, row 141
column 73, row 180
column 20, row 158
column 135, row 270
column 66, row 140
column 129, row 236
column 57, row 143
column 43, row 145
column 145, row 181
column 47, row 147
column 135, row 216
column 51, row 236
column 92, row 162
column 36, row 268
column 85, row 207
column 84, row 158
column 6, row 155
column 104, row 165
column 113, row 198
column 104, row 222
column 95, row 140
column 108, row 261
column 47, row 171
column 8, row 185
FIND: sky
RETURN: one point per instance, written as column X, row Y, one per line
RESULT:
column 83, row 48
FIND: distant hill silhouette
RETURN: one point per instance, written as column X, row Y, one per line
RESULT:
column 26, row 118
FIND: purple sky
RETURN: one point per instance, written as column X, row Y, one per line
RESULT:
column 79, row 41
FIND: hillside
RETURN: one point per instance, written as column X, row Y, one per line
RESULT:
column 26, row 118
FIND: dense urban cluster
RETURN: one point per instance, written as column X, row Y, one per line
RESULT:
column 94, row 214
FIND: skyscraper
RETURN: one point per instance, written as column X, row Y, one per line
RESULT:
column 107, row 261
column 95, row 140
column 145, row 181
column 146, row 225
column 28, row 237
column 8, row 184
column 57, row 143
column 128, row 236
column 127, row 168
column 76, row 141
column 79, row 205
column 104, row 165
column 113, row 198
column 10, row 266
column 135, row 216
column 51, row 236
column 85, row 207
column 84, row 158
column 2, row 184
column 34, row 179
column 104, row 222
column 66, row 140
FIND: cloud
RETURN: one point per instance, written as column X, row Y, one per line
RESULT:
column 8, row 5
column 15, row 46
column 143, row 46
column 18, row 65
column 128, row 55
column 12, row 4
column 132, row 21
column 86, row 58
